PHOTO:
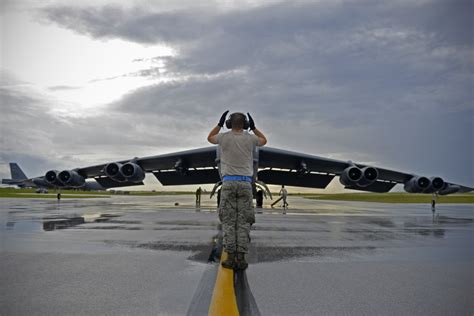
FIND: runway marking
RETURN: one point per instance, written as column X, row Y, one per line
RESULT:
column 223, row 300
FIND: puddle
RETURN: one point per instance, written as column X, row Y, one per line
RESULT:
column 202, row 252
column 188, row 223
column 453, row 220
column 210, row 252
column 51, row 223
column 271, row 254
column 383, row 222
column 62, row 223
column 436, row 232
column 124, row 222
column 111, row 227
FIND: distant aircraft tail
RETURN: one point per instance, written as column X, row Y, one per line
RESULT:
column 17, row 173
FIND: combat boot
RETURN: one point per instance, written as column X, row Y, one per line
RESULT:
column 229, row 262
column 240, row 262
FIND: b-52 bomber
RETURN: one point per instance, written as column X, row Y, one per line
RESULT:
column 271, row 166
column 19, row 179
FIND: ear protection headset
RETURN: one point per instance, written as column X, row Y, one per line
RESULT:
column 228, row 122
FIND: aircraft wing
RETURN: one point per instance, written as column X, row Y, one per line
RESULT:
column 277, row 158
column 196, row 166
column 305, row 170
column 274, row 166
column 298, row 169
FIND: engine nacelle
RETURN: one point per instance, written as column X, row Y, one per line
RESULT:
column 369, row 175
column 417, row 184
column 436, row 184
column 112, row 170
column 132, row 172
column 354, row 176
column 71, row 178
column 350, row 176
column 51, row 177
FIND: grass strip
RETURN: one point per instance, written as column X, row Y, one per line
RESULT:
column 392, row 197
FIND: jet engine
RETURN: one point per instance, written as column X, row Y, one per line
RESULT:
column 350, row 176
column 71, row 178
column 369, row 175
column 354, row 176
column 52, row 177
column 436, row 184
column 112, row 170
column 417, row 184
column 124, row 172
column 132, row 172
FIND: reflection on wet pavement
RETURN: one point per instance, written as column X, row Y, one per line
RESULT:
column 49, row 225
column 336, row 251
column 245, row 299
column 316, row 229
column 56, row 222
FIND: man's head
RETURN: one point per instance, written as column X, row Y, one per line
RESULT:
column 282, row 186
column 237, row 121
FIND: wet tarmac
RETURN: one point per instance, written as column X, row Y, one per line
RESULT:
column 144, row 255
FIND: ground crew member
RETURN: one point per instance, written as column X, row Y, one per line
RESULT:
column 283, row 196
column 198, row 196
column 218, row 197
column 236, row 207
column 259, row 199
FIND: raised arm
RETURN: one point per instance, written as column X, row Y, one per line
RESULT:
column 262, row 140
column 212, row 135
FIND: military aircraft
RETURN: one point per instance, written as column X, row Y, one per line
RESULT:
column 271, row 166
column 18, row 178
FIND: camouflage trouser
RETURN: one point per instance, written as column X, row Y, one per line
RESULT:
column 236, row 214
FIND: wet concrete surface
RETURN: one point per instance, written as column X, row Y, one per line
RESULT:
column 144, row 255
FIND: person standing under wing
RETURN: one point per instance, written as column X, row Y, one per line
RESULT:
column 283, row 196
column 198, row 196
column 236, row 159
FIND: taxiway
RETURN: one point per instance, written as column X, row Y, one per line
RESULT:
column 144, row 255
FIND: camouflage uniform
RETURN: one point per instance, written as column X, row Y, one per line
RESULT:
column 236, row 214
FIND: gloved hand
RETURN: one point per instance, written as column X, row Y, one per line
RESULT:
column 251, row 122
column 222, row 120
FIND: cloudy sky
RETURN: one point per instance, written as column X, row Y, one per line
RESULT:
column 382, row 82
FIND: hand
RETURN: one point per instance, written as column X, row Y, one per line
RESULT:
column 251, row 122
column 222, row 120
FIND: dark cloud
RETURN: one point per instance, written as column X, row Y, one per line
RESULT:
column 114, row 21
column 382, row 82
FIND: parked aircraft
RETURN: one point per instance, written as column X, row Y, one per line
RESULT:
column 18, row 178
column 271, row 166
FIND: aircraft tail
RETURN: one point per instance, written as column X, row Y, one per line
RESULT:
column 16, row 172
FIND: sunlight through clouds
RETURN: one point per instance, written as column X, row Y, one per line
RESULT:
column 80, row 72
